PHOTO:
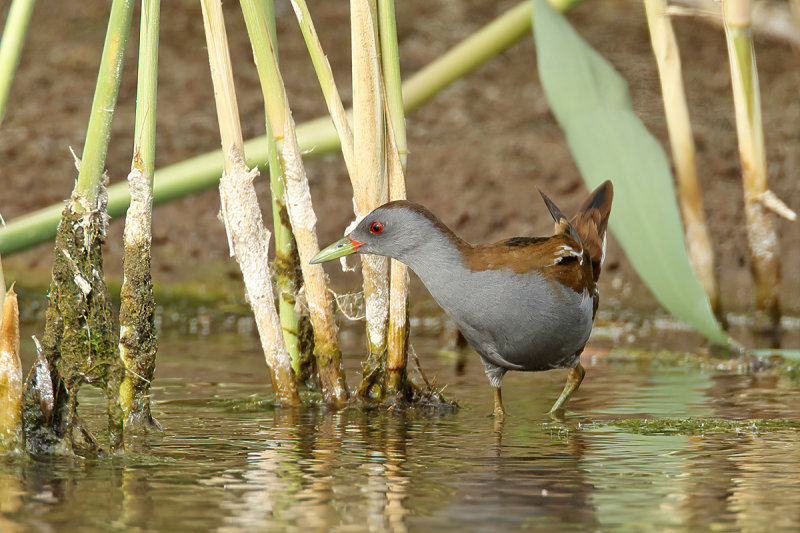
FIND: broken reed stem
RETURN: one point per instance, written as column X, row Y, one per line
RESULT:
column 79, row 341
column 315, row 137
column 370, row 187
column 17, row 22
column 665, row 49
column 247, row 237
column 286, row 269
column 98, row 132
column 10, row 375
column 397, row 157
column 325, row 76
column 137, row 339
column 299, row 206
column 762, row 239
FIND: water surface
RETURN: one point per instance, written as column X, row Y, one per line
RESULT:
column 651, row 442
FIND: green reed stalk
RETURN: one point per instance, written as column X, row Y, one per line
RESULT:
column 390, row 63
column 98, row 132
column 247, row 236
column 315, row 137
column 762, row 238
column 397, row 157
column 300, row 211
column 19, row 18
column 138, row 343
column 668, row 60
column 325, row 76
column 79, row 342
column 286, row 266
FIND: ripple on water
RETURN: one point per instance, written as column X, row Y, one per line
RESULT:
column 649, row 443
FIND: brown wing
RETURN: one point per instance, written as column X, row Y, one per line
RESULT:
column 559, row 258
column 591, row 223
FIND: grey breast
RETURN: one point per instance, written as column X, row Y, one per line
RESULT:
column 517, row 321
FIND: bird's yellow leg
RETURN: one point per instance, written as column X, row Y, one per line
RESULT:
column 499, row 412
column 573, row 382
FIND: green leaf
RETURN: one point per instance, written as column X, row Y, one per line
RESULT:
column 608, row 141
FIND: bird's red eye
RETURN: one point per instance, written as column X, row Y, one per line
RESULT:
column 376, row 228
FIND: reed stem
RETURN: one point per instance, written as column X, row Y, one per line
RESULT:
column 286, row 267
column 247, row 236
column 300, row 210
column 668, row 60
column 328, row 85
column 390, row 63
column 763, row 241
column 17, row 22
column 138, row 343
column 315, row 138
column 397, row 157
column 11, row 400
column 98, row 132
column 370, row 186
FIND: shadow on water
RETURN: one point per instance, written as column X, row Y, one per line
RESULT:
column 651, row 441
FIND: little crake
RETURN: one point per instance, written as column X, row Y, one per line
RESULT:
column 526, row 303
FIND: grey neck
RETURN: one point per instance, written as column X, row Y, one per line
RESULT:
column 437, row 261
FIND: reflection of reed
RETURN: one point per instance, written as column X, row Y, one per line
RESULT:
column 742, row 481
column 137, row 503
column 10, row 498
column 711, row 473
column 319, row 451
column 765, row 492
column 748, row 396
column 389, row 477
column 638, row 479
column 319, row 470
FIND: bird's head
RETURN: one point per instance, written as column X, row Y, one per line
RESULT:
column 394, row 230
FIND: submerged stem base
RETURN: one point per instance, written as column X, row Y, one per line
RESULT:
column 79, row 342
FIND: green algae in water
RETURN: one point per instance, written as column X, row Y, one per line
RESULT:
column 696, row 426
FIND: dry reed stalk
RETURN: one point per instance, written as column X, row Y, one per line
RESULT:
column 370, row 187
column 320, row 306
column 248, row 238
column 10, row 375
column 665, row 48
column 762, row 238
column 301, row 214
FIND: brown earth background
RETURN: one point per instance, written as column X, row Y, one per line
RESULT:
column 477, row 152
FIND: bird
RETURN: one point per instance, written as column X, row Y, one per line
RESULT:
column 524, row 303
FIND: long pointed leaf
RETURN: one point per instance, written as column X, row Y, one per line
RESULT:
column 608, row 141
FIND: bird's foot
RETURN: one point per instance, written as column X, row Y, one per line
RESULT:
column 499, row 412
column 574, row 379
column 557, row 414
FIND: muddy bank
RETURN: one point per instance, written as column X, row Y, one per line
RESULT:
column 478, row 151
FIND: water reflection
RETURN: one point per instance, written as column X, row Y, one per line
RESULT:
column 315, row 469
column 228, row 462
